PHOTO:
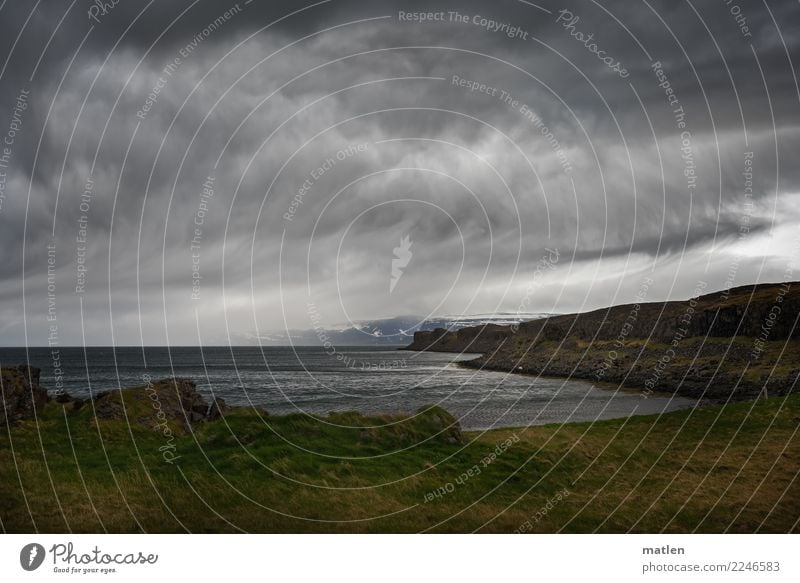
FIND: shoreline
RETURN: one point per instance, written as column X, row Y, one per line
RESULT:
column 607, row 384
column 708, row 347
column 324, row 474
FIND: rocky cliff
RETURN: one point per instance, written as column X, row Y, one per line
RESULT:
column 731, row 344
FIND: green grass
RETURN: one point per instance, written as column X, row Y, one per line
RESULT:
column 731, row 468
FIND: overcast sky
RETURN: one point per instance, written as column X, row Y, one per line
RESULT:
column 252, row 167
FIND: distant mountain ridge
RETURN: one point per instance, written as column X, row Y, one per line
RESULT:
column 397, row 331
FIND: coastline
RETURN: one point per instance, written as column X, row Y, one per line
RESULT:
column 334, row 477
column 705, row 348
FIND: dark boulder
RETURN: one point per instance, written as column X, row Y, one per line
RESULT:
column 168, row 402
column 22, row 396
column 216, row 409
column 69, row 402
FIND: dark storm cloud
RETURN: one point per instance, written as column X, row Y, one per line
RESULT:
column 479, row 189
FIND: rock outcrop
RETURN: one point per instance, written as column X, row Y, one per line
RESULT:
column 478, row 339
column 166, row 401
column 22, row 396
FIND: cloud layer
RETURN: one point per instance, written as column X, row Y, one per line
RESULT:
column 198, row 171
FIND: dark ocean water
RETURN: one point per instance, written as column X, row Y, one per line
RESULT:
column 369, row 380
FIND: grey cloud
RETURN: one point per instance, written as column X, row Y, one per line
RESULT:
column 620, row 208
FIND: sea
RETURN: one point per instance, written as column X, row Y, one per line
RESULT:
column 318, row 381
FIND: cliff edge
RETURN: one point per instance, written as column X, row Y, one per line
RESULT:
column 728, row 345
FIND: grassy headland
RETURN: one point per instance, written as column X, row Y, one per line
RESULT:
column 714, row 469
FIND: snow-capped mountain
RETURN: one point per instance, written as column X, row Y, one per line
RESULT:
column 388, row 331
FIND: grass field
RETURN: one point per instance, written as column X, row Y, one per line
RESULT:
column 727, row 468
